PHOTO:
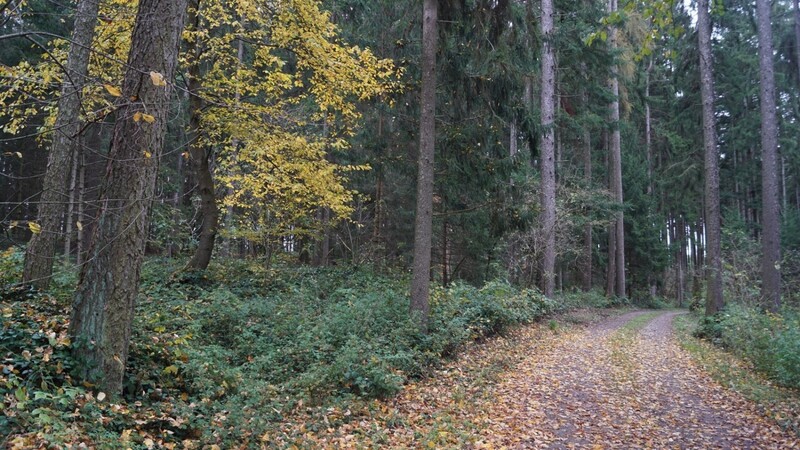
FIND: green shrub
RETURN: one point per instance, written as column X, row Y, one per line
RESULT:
column 770, row 341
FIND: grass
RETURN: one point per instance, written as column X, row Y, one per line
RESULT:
column 780, row 404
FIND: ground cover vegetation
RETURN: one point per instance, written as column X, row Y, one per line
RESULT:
column 268, row 205
column 223, row 356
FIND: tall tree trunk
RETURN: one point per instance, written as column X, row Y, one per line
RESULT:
column 771, row 224
column 616, row 167
column 648, row 129
column 797, row 35
column 105, row 298
column 423, row 229
column 587, row 232
column 714, row 298
column 548, row 195
column 199, row 157
column 39, row 255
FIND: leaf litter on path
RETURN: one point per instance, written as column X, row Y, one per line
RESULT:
column 602, row 386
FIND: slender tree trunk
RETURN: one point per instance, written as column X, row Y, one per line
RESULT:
column 73, row 182
column 648, row 127
column 79, row 239
column 548, row 195
column 588, row 251
column 445, row 254
column 199, row 157
column 39, row 255
column 797, row 35
column 611, row 270
column 771, row 223
column 229, row 191
column 714, row 298
column 423, row 230
column 682, row 260
column 616, row 167
column 104, row 301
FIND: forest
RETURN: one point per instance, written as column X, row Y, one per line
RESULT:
column 394, row 223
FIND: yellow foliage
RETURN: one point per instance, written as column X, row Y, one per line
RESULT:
column 272, row 117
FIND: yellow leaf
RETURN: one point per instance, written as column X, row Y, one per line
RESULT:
column 112, row 90
column 147, row 154
column 35, row 227
column 79, row 226
column 137, row 116
column 171, row 369
column 157, row 79
column 13, row 224
column 148, row 118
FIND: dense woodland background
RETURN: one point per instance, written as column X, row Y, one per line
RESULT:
column 277, row 137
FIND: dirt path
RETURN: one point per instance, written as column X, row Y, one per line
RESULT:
column 608, row 387
column 622, row 383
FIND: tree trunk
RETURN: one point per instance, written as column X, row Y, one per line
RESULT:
column 587, row 232
column 73, row 182
column 79, row 239
column 199, row 156
column 103, row 306
column 714, row 298
column 616, row 167
column 797, row 35
column 548, row 195
column 648, row 129
column 682, row 260
column 611, row 270
column 771, row 225
column 39, row 255
column 423, row 229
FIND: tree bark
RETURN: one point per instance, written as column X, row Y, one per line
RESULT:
column 771, row 225
column 73, row 182
column 587, row 232
column 103, row 306
column 423, row 229
column 548, row 194
column 199, row 156
column 797, row 36
column 616, row 167
column 714, row 298
column 39, row 255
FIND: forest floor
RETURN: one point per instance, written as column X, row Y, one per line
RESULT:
column 622, row 381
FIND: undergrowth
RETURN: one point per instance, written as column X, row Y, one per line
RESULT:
column 770, row 341
column 220, row 357
column 738, row 374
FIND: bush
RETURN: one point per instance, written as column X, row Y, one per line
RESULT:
column 770, row 341
column 243, row 342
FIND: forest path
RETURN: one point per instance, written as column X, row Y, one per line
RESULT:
column 622, row 382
